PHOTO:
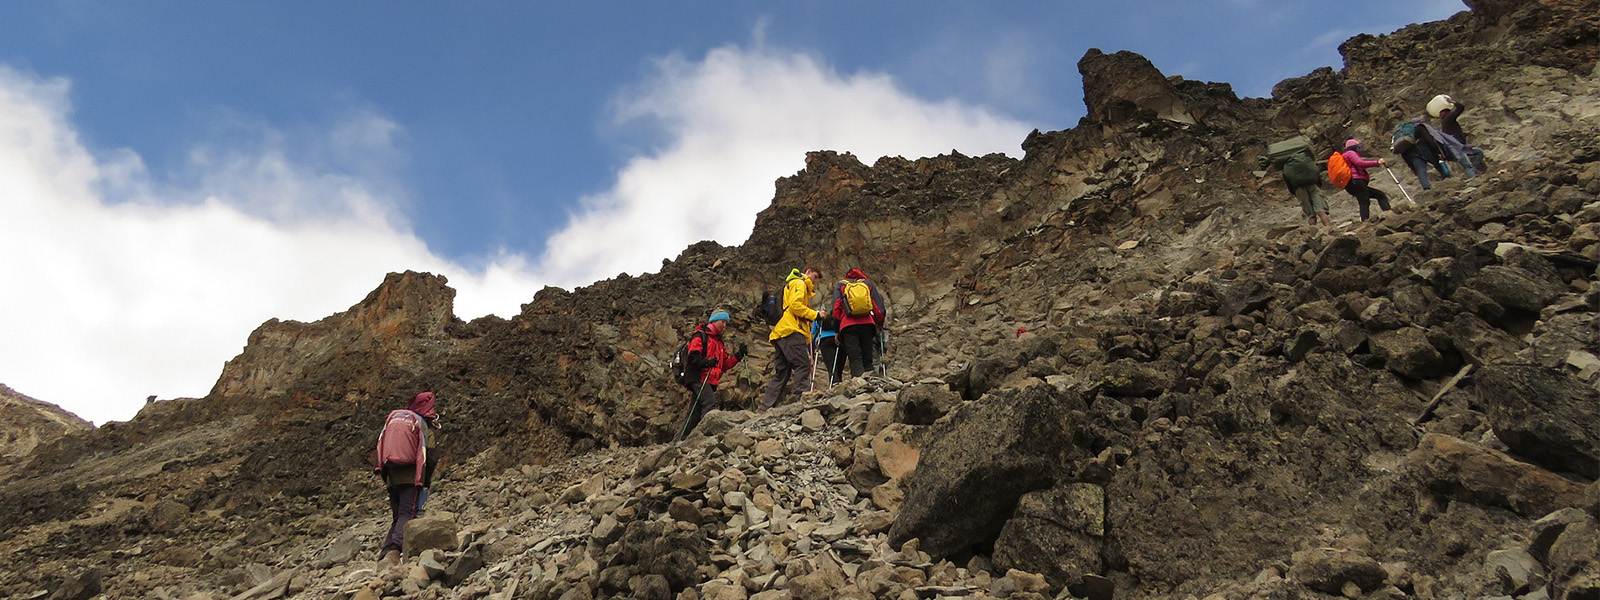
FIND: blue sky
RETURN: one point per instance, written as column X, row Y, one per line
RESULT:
column 180, row 172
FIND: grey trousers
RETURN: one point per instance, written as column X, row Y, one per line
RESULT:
column 792, row 357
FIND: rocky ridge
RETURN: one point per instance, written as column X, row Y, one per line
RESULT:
column 26, row 424
column 1210, row 402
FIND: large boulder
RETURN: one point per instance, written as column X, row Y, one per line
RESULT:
column 1055, row 533
column 1479, row 475
column 1514, row 287
column 1544, row 416
column 980, row 461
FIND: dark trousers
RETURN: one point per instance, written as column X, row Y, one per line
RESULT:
column 1365, row 194
column 405, row 504
column 702, row 398
column 1419, row 165
column 792, row 354
column 859, row 343
column 828, row 347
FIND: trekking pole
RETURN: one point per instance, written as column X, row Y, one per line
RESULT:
column 834, row 368
column 883, row 351
column 694, row 402
column 1397, row 184
column 812, row 376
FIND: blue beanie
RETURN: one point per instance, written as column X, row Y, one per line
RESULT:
column 720, row 315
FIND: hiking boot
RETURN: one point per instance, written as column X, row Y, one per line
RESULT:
column 390, row 558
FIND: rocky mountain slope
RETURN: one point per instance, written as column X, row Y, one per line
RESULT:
column 26, row 424
column 1210, row 401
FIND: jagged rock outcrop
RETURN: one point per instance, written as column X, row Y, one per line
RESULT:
column 1118, row 369
column 26, row 424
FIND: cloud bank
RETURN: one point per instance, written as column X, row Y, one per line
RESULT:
column 733, row 123
column 122, row 283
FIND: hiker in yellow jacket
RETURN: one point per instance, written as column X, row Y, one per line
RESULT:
column 791, row 337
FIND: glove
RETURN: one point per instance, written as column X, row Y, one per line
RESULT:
column 743, row 349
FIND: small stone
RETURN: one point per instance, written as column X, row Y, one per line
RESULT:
column 683, row 511
column 812, row 420
column 832, row 532
column 686, row 481
column 769, row 447
column 423, row 533
column 583, row 491
column 1515, row 569
column 432, row 562
column 418, row 576
column 1028, row 582
column 889, row 496
column 874, row 522
column 606, row 531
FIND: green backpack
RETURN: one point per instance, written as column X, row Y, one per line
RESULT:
column 1300, row 170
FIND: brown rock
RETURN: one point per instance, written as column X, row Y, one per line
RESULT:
column 1480, row 475
column 424, row 533
column 1329, row 570
column 896, row 457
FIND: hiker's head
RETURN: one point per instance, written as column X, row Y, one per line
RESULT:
column 1351, row 143
column 422, row 404
column 719, row 321
column 814, row 274
column 855, row 274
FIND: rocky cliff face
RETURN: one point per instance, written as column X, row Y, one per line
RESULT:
column 26, row 424
column 1209, row 402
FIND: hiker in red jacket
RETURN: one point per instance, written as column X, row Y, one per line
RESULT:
column 709, row 358
column 859, row 308
column 405, row 459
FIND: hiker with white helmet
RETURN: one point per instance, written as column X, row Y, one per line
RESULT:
column 1454, row 139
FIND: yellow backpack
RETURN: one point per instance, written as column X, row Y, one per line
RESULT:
column 857, row 298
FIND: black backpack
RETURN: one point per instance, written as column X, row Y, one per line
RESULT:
column 771, row 308
column 679, row 369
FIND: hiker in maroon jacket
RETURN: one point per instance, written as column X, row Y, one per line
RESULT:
column 405, row 459
column 858, row 328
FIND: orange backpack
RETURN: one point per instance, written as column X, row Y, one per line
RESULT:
column 1338, row 170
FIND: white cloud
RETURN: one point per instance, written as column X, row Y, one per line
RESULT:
column 121, row 283
column 119, row 287
column 734, row 122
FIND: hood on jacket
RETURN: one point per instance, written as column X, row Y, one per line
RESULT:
column 793, row 275
column 422, row 404
column 855, row 274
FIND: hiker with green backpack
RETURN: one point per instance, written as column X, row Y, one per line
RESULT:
column 859, row 308
column 1417, row 147
column 699, row 367
column 1300, row 175
column 791, row 336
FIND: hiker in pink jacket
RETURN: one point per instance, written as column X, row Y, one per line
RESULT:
column 405, row 459
column 1360, row 180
